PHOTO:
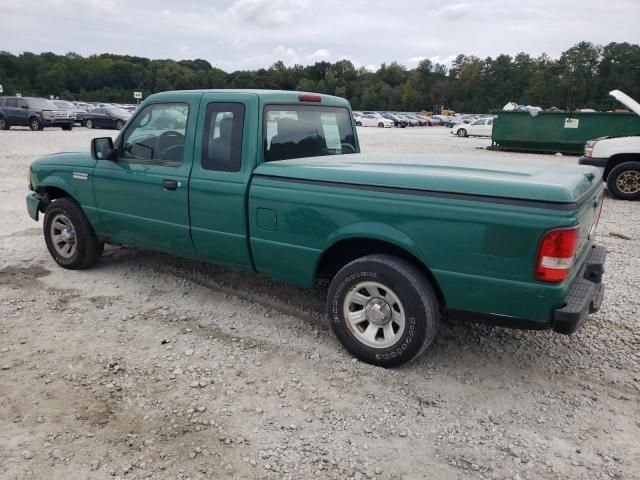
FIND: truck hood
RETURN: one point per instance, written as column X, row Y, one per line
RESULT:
column 626, row 100
column 66, row 159
column 537, row 180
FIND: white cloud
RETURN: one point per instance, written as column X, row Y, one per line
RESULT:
column 455, row 11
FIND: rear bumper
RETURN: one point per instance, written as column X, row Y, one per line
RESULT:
column 584, row 295
column 594, row 162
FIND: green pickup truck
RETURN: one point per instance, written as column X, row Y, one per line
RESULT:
column 274, row 182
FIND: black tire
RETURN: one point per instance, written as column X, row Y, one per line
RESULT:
column 4, row 125
column 119, row 125
column 462, row 133
column 623, row 181
column 88, row 123
column 416, row 300
column 35, row 124
column 358, row 124
column 88, row 249
column 381, row 125
column 67, row 128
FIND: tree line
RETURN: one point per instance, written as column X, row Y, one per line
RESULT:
column 580, row 78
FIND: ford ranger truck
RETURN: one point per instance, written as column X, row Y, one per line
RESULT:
column 274, row 182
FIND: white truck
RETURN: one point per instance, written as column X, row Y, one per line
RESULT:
column 618, row 156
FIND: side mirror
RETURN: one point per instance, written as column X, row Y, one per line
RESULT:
column 102, row 148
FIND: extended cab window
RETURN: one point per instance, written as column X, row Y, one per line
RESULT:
column 296, row 131
column 157, row 134
column 222, row 139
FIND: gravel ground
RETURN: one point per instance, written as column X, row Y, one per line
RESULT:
column 149, row 366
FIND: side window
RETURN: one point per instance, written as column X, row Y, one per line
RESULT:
column 490, row 122
column 22, row 102
column 222, row 139
column 12, row 102
column 157, row 134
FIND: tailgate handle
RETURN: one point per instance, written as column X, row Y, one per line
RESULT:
column 170, row 184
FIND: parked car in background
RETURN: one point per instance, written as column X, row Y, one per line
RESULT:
column 397, row 121
column 421, row 121
column 448, row 121
column 411, row 122
column 32, row 112
column 106, row 117
column 78, row 113
column 370, row 120
column 478, row 128
column 130, row 107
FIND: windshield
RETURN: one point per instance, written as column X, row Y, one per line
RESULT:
column 118, row 112
column 41, row 103
column 64, row 105
column 297, row 131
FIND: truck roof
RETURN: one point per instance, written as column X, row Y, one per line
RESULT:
column 270, row 96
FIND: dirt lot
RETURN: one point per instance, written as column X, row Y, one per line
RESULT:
column 155, row 367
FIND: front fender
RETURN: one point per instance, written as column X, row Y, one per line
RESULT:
column 70, row 181
column 59, row 182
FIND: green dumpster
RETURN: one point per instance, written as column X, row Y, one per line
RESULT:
column 565, row 132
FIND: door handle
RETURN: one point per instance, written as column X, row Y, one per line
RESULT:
column 170, row 184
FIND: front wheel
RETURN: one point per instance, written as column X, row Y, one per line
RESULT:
column 69, row 236
column 381, row 125
column 119, row 125
column 35, row 125
column 358, row 124
column 4, row 125
column 383, row 310
column 462, row 133
column 623, row 181
column 89, row 123
column 67, row 128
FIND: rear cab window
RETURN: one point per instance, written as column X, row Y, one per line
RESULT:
column 298, row 131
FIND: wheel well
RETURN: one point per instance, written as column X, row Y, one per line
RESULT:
column 345, row 251
column 52, row 193
column 616, row 160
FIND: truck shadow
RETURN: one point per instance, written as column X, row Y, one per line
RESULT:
column 463, row 345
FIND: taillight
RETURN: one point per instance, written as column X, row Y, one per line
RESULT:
column 556, row 253
column 307, row 97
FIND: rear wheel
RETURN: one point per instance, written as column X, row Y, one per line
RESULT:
column 89, row 123
column 4, row 125
column 35, row 124
column 69, row 236
column 623, row 181
column 383, row 310
column 358, row 124
column 462, row 133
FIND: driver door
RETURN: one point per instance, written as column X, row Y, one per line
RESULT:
column 142, row 195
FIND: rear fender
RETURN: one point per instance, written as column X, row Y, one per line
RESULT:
column 375, row 231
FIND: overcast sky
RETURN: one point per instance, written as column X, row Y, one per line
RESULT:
column 249, row 34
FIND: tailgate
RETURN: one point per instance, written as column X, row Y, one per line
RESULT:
column 589, row 211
